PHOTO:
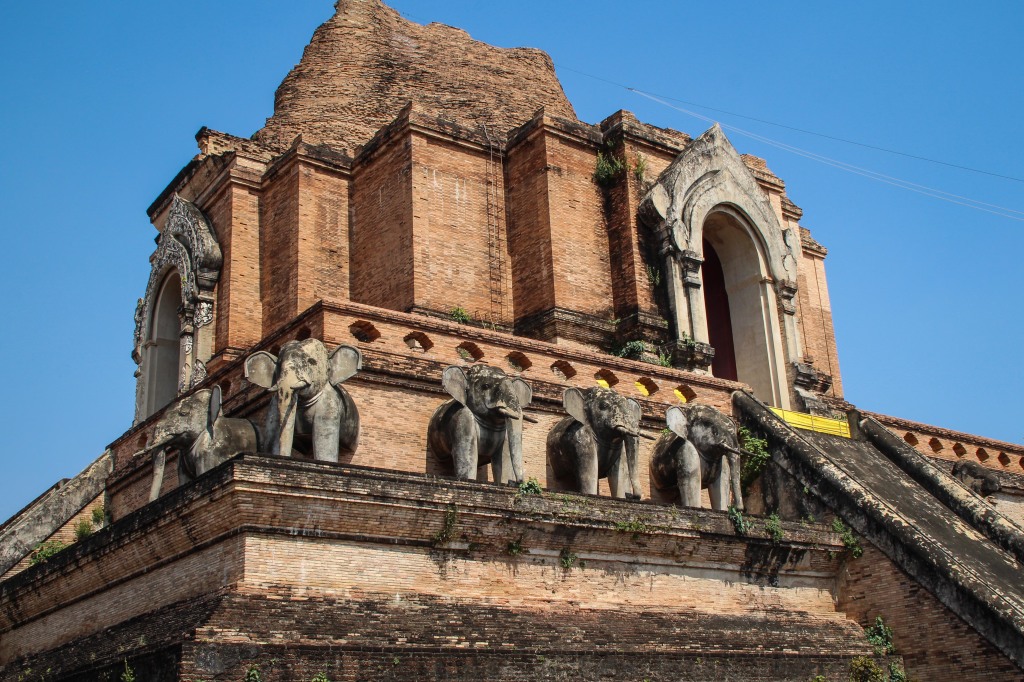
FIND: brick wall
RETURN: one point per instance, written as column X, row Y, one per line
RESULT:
column 934, row 642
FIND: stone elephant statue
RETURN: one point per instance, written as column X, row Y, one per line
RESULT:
column 483, row 423
column 203, row 436
column 701, row 451
column 599, row 439
column 309, row 409
column 978, row 478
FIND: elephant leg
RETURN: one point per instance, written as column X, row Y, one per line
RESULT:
column 587, row 475
column 688, row 465
column 465, row 441
column 327, row 427
column 718, row 489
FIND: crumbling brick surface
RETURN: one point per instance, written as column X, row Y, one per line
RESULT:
column 367, row 62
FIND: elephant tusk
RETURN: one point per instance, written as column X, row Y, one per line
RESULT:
column 645, row 436
column 528, row 418
column 154, row 446
column 509, row 412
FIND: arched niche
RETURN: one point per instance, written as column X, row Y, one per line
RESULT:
column 162, row 356
column 708, row 195
column 178, row 305
column 740, row 310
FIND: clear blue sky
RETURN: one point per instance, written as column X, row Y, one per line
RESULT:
column 101, row 102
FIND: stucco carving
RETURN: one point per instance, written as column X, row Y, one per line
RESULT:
column 188, row 245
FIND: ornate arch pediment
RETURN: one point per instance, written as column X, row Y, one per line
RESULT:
column 187, row 244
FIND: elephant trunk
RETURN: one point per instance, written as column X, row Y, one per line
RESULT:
column 734, row 457
column 281, row 420
column 514, row 443
column 632, row 443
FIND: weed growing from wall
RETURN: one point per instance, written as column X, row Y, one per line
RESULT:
column 864, row 669
column 608, row 169
column 756, row 457
column 848, row 538
column 460, row 315
column 738, row 522
column 447, row 532
column 45, row 551
column 880, row 637
column 567, row 558
column 773, row 528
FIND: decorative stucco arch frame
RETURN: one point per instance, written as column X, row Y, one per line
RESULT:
column 187, row 244
column 709, row 176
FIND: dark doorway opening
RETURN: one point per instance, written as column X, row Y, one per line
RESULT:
column 716, row 305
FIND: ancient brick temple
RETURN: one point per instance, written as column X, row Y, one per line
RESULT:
column 426, row 201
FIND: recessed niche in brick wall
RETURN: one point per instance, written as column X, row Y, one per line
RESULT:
column 960, row 450
column 418, row 341
column 910, row 438
column 605, row 378
column 518, row 362
column 935, row 444
column 684, row 393
column 469, row 351
column 563, row 370
column 364, row 331
column 646, row 386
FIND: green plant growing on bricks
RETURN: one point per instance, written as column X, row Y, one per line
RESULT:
column 567, row 559
column 864, row 669
column 848, row 538
column 529, row 487
column 46, row 550
column 757, row 458
column 738, row 522
column 447, row 532
column 460, row 315
column 773, row 528
column 128, row 675
column 83, row 529
column 608, row 169
column 253, row 674
column 320, row 677
column 880, row 637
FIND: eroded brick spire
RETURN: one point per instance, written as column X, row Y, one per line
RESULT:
column 366, row 62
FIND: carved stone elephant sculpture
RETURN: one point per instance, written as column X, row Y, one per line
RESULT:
column 482, row 424
column 598, row 439
column 981, row 480
column 309, row 409
column 203, row 437
column 702, row 451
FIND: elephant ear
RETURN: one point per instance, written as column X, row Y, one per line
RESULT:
column 524, row 394
column 677, row 422
column 574, row 404
column 456, row 382
column 344, row 362
column 216, row 402
column 260, row 368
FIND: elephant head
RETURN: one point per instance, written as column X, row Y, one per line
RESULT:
column 708, row 456
column 611, row 423
column 494, row 433
column 308, row 398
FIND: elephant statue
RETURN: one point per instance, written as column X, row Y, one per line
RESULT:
column 700, row 451
column 602, row 430
column 309, row 409
column 203, row 436
column 483, row 423
column 981, row 480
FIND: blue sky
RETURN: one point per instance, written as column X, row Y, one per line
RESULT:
column 102, row 100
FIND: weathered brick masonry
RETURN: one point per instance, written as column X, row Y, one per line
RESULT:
column 409, row 170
